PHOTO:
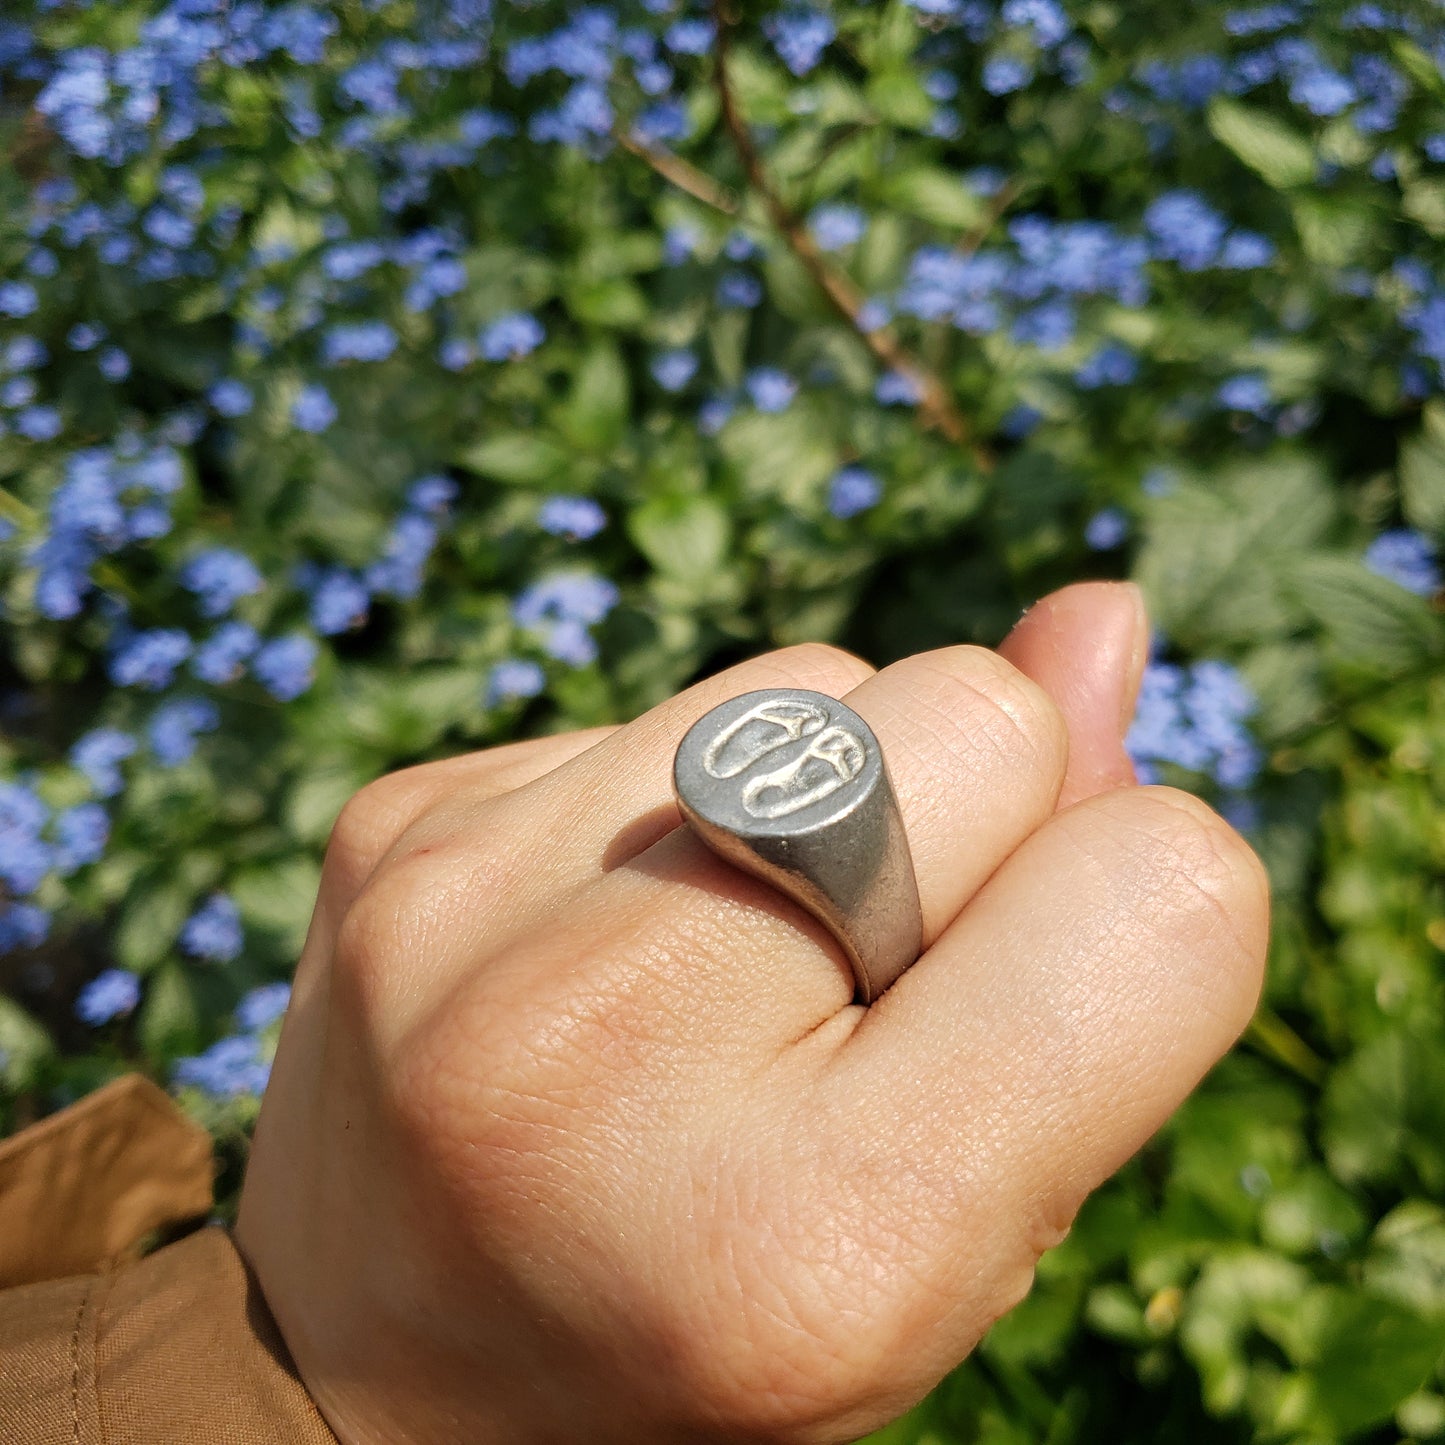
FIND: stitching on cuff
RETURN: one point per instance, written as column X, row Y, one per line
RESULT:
column 75, row 1364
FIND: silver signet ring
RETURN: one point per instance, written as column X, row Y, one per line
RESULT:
column 790, row 785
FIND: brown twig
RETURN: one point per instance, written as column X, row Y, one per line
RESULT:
column 935, row 404
column 1002, row 199
column 680, row 173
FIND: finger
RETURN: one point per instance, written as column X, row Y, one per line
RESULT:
column 976, row 753
column 712, row 957
column 477, row 873
column 613, row 801
column 1051, row 1030
column 1086, row 646
column 375, row 817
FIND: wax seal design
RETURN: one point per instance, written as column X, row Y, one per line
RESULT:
column 790, row 785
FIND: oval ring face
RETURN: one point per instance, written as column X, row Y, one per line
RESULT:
column 772, row 761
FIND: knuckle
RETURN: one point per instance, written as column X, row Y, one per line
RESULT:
column 1203, row 866
column 370, row 821
column 820, row 666
column 1003, row 709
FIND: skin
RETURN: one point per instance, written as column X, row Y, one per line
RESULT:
column 575, row 1134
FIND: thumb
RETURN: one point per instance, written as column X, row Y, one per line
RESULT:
column 1086, row 646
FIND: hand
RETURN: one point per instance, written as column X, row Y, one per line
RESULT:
column 575, row 1135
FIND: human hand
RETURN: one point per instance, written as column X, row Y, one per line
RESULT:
column 574, row 1133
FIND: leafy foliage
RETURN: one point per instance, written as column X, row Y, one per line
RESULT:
column 385, row 378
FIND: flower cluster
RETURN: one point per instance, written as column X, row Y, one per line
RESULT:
column 1195, row 716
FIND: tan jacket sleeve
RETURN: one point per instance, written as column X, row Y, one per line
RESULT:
column 97, row 1345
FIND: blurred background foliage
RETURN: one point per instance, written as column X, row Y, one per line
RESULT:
column 385, row 378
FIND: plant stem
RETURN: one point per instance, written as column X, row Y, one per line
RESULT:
column 936, row 407
column 1274, row 1038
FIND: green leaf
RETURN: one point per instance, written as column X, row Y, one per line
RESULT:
column 933, row 195
column 683, row 537
column 1422, row 473
column 1372, row 1355
column 520, row 458
column 151, row 922
column 1310, row 1215
column 170, row 1020
column 1269, row 147
column 278, row 898
column 1407, row 1257
column 597, row 408
column 1366, row 619
column 1425, row 202
column 1384, row 1112
column 1212, row 560
column 1333, row 231
column 24, row 1046
column 785, row 456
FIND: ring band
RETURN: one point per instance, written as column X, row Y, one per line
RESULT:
column 790, row 785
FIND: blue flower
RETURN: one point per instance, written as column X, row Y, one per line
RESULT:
column 570, row 642
column 339, row 601
column 1185, row 229
column 1246, row 251
column 1049, row 326
column 689, row 37
column 739, row 290
column 22, row 925
column 149, row 659
column 39, row 423
column 220, row 577
column 286, row 666
column 565, row 597
column 1111, row 365
column 893, row 388
column 1004, row 74
column 1106, row 529
column 313, row 410
column 664, row 122
column 24, row 857
column 434, row 493
column 174, row 726
column 221, row 658
column 358, row 341
column 800, row 36
column 1407, row 557
column 23, row 353
column 456, row 353
column 81, row 834
column 835, row 226
column 114, row 364
column 1248, row 392
column 231, row 1068
column 672, row 370
column 576, row 518
column 18, row 391
column 714, row 413
column 1195, row 718
column 263, row 1006
column 1321, row 90
column 770, row 389
column 107, row 996
column 511, row 336
column 85, row 336
column 1044, row 17
column 853, row 489
column 97, row 755
column 213, row 931
column 408, row 547
column 18, row 298
column 514, row 678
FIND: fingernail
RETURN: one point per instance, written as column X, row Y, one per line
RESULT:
column 1138, row 656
